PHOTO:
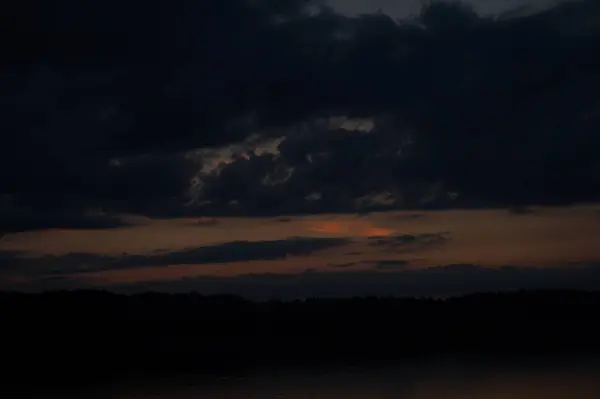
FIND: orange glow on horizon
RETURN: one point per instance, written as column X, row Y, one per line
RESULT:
column 548, row 237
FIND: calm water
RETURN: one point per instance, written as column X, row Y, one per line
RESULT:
column 432, row 380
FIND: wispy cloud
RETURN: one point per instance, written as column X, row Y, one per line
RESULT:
column 409, row 242
column 237, row 251
column 390, row 264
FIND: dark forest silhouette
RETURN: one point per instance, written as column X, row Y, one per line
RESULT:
column 94, row 334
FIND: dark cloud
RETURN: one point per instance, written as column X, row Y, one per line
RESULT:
column 343, row 265
column 440, row 281
column 386, row 264
column 152, row 185
column 520, row 210
column 8, row 256
column 236, row 251
column 90, row 82
column 470, row 111
column 479, row 117
column 411, row 216
column 7, row 261
column 20, row 220
column 389, row 264
column 409, row 242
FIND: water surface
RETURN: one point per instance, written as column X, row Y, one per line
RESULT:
column 431, row 380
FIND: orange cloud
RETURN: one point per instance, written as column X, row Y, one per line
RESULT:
column 377, row 232
column 356, row 228
column 329, row 227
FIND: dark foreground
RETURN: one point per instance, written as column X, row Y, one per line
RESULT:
column 86, row 336
column 431, row 379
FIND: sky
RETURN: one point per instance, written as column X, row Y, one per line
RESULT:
column 283, row 149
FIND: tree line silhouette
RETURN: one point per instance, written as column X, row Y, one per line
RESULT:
column 91, row 334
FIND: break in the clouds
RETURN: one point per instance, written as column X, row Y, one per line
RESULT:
column 261, row 107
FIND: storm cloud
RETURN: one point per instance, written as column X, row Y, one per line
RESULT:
column 101, row 109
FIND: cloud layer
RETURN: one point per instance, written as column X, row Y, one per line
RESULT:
column 440, row 281
column 102, row 109
column 237, row 251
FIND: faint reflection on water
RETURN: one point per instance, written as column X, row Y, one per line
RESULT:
column 418, row 381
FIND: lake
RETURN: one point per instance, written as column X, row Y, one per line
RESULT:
column 441, row 379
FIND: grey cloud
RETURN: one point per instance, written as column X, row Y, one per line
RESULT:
column 350, row 171
column 154, row 185
column 8, row 256
column 520, row 210
column 499, row 111
column 90, row 82
column 147, row 184
column 437, row 282
column 236, row 251
column 409, row 242
column 15, row 220
column 7, row 261
column 509, row 92
column 407, row 7
column 411, row 216
column 343, row 265
column 389, row 264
